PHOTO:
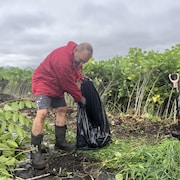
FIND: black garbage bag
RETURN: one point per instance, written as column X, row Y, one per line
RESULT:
column 93, row 129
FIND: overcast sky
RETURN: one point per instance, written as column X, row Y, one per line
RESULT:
column 31, row 29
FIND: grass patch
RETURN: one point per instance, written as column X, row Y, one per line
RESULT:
column 135, row 159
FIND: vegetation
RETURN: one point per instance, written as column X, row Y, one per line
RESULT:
column 132, row 159
column 136, row 84
column 15, row 81
column 138, row 81
column 14, row 134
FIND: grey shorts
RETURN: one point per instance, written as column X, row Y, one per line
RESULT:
column 44, row 102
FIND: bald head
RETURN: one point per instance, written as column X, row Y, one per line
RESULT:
column 85, row 47
column 82, row 53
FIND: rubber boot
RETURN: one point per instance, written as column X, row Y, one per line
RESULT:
column 176, row 132
column 36, row 156
column 61, row 143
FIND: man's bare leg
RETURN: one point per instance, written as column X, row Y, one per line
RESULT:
column 38, row 123
column 61, row 116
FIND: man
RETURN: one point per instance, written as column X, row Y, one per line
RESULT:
column 57, row 74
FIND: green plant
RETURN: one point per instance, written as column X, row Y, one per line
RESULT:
column 135, row 160
column 138, row 81
column 15, row 81
column 14, row 133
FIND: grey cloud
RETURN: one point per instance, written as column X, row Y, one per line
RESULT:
column 104, row 13
column 23, row 32
column 31, row 29
column 22, row 22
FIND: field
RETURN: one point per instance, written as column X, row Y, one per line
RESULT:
column 141, row 107
column 130, row 134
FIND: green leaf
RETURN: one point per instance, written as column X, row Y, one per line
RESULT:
column 19, row 131
column 12, row 143
column 28, row 104
column 34, row 105
column 11, row 128
column 8, row 108
column 3, row 127
column 8, row 153
column 4, row 174
column 21, row 104
column 15, row 106
column 8, row 115
column 11, row 162
column 3, row 146
column 15, row 117
column 22, row 119
column 6, row 135
column 27, row 122
column 3, row 159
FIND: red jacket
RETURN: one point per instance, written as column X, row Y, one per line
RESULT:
column 58, row 74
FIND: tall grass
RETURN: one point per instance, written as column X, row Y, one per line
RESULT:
column 136, row 160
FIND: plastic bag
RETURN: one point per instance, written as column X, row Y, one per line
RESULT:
column 92, row 124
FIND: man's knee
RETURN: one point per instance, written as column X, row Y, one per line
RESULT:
column 62, row 110
column 41, row 114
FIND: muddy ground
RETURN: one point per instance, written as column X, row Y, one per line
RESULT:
column 76, row 165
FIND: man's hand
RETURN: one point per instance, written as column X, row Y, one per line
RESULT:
column 85, row 78
column 82, row 103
